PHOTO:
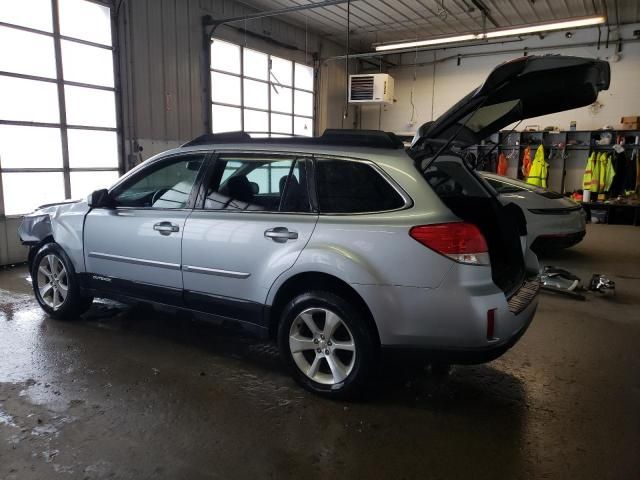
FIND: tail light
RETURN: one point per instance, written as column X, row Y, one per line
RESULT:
column 462, row 242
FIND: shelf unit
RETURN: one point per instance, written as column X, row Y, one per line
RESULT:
column 566, row 162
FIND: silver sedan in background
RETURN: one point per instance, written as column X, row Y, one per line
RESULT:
column 553, row 220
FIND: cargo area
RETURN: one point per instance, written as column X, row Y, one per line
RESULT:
column 464, row 194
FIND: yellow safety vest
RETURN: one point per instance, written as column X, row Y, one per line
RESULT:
column 590, row 178
column 605, row 174
column 539, row 167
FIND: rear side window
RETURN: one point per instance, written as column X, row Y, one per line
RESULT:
column 345, row 186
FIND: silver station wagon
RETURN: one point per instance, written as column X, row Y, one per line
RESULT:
column 339, row 247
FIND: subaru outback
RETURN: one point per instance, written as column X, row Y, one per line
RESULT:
column 339, row 247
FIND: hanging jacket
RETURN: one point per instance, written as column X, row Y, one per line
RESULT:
column 621, row 163
column 591, row 174
column 605, row 172
column 539, row 169
column 502, row 165
column 526, row 161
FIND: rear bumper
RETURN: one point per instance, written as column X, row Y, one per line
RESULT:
column 450, row 323
column 457, row 356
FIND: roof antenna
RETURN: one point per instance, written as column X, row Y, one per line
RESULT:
column 345, row 113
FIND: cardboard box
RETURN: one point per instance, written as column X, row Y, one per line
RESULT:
column 630, row 123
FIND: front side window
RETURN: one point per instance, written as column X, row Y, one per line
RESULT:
column 353, row 187
column 166, row 186
column 258, row 184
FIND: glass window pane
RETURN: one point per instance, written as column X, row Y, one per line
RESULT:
column 225, row 56
column 92, row 149
column 225, row 88
column 255, row 121
column 256, row 64
column 353, row 187
column 85, row 20
column 27, row 13
column 281, row 99
column 304, row 77
column 90, row 107
column 29, row 53
column 303, row 103
column 28, row 100
column 24, row 192
column 256, row 94
column 86, row 64
column 15, row 151
column 83, row 183
column 167, row 185
column 281, row 123
column 303, row 126
column 259, row 185
column 225, row 119
column 281, row 71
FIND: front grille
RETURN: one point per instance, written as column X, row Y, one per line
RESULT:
column 524, row 296
column 555, row 211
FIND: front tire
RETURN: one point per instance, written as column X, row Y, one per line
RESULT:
column 327, row 344
column 56, row 285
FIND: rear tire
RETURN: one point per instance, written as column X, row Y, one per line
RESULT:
column 327, row 344
column 56, row 285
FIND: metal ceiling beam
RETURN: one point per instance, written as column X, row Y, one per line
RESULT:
column 272, row 13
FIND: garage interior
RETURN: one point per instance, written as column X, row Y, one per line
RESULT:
column 90, row 89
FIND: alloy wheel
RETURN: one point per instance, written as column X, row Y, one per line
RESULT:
column 322, row 346
column 53, row 281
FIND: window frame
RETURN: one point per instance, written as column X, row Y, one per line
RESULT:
column 269, row 111
column 62, row 125
column 156, row 165
column 298, row 156
column 407, row 200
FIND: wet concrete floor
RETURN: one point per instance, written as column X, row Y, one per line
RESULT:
column 129, row 392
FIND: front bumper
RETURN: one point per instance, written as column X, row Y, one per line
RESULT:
column 557, row 241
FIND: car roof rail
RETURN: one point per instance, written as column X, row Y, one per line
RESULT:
column 226, row 137
column 330, row 137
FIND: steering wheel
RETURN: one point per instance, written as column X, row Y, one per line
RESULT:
column 157, row 195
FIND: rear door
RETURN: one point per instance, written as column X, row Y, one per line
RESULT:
column 134, row 248
column 252, row 225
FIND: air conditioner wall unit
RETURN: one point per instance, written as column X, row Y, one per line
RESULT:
column 371, row 88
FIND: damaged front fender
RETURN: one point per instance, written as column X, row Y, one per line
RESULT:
column 33, row 230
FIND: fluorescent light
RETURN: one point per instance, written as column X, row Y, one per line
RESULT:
column 424, row 43
column 542, row 27
column 545, row 27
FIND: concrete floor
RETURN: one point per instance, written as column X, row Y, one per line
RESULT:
column 133, row 393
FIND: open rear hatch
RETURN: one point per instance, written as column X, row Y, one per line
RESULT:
column 516, row 90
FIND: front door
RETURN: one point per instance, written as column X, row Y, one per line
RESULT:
column 255, row 221
column 135, row 248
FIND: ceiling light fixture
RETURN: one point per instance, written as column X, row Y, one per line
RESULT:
column 542, row 27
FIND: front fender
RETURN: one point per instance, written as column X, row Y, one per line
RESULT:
column 63, row 222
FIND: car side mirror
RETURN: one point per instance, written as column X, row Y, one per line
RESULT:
column 100, row 199
column 255, row 188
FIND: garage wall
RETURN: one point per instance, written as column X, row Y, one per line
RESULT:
column 162, row 66
column 439, row 85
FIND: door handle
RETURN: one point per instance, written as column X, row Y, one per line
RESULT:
column 166, row 228
column 280, row 234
